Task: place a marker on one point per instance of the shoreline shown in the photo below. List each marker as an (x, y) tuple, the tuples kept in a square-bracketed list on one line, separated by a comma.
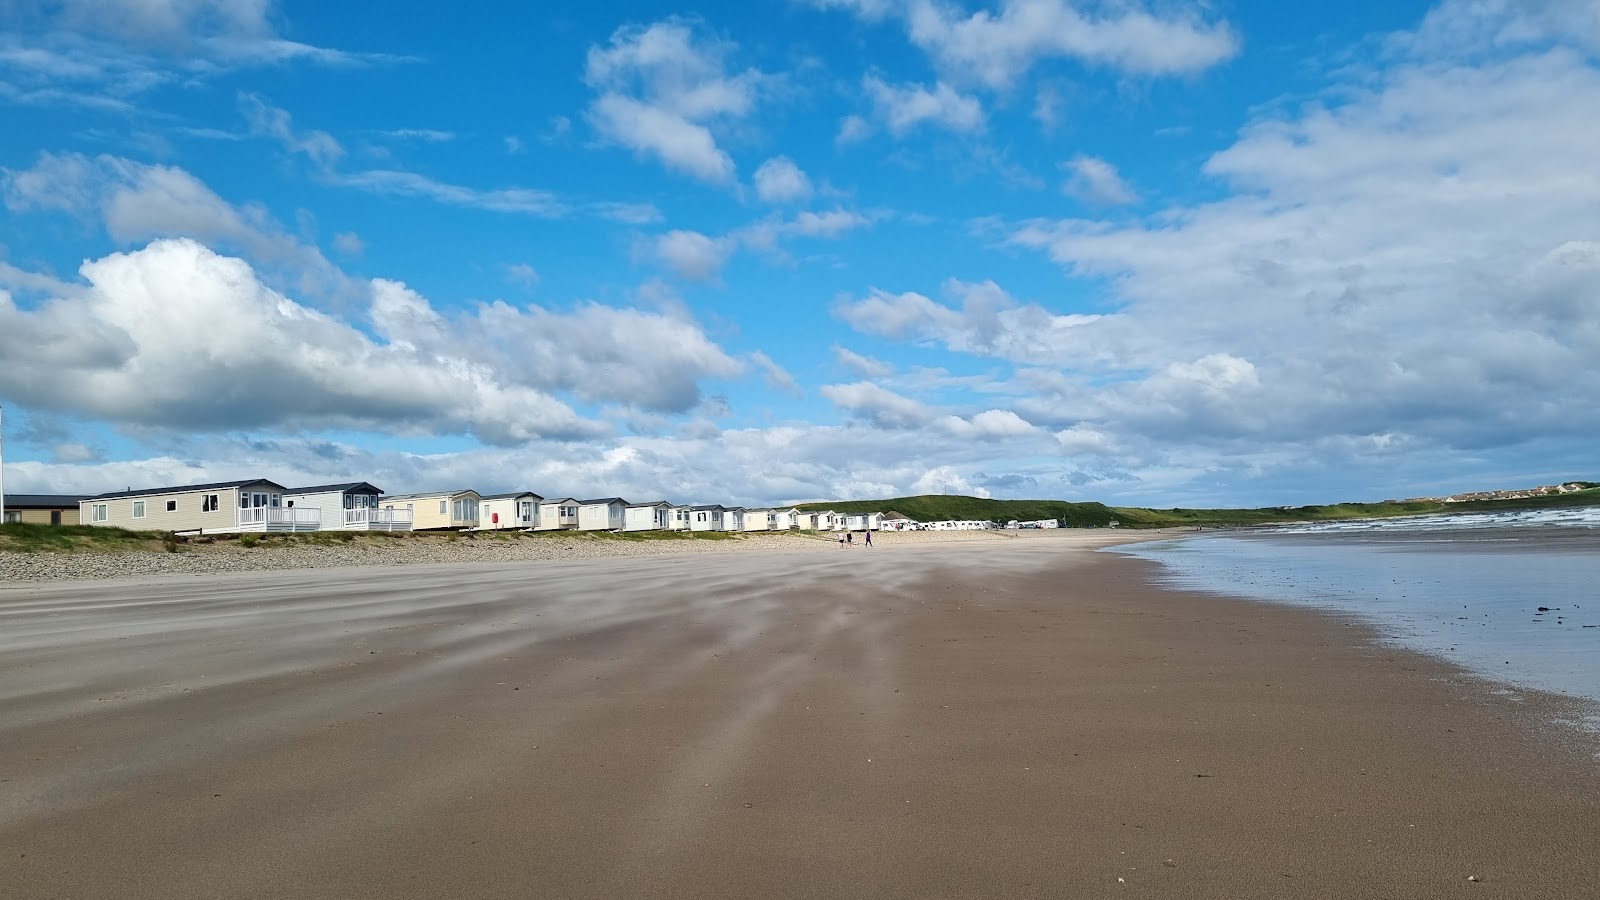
[(998, 721)]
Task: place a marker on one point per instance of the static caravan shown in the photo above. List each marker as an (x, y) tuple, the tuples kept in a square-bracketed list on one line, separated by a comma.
[(348, 507), (679, 520), (757, 520), (863, 522), (785, 519), (227, 506), (438, 510), (557, 514), (733, 518), (648, 516), (706, 518), (603, 514), (516, 511), (43, 509)]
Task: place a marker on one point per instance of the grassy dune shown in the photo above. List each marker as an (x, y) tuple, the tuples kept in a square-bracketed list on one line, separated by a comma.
[(934, 507)]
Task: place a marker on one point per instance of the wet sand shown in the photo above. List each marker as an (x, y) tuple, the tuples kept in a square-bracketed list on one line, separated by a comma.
[(1010, 719)]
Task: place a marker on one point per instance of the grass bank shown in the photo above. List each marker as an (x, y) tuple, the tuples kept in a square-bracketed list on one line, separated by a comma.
[(935, 507)]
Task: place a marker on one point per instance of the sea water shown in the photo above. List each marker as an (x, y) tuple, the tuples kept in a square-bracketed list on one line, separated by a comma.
[(1467, 588)]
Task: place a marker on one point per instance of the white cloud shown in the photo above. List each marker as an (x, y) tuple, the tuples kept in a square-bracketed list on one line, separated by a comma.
[(348, 243), (773, 374), (175, 336), (1096, 181), (700, 257), (425, 135), (660, 92), (266, 120), (1407, 263), (996, 47), (522, 274), (852, 129), (904, 108), (864, 366), (989, 323), (779, 180), (878, 405), (526, 201), (692, 255), (137, 202)]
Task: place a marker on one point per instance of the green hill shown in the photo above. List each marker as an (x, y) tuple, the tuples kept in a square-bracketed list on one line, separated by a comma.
[(934, 507)]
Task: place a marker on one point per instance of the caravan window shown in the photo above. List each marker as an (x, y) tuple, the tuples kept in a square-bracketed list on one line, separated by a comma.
[(138, 509)]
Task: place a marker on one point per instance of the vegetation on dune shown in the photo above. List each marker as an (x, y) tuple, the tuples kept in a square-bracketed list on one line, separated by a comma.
[(936, 507), (20, 537)]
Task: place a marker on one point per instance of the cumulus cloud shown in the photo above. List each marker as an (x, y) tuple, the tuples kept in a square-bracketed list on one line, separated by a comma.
[(779, 180), (176, 336), (904, 108), (136, 202), (660, 92), (1096, 181), (877, 405), (996, 46), (988, 322)]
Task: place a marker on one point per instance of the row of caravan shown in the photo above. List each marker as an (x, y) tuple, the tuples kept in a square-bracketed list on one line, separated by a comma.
[(258, 505)]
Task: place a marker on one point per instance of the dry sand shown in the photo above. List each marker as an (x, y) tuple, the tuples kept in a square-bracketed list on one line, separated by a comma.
[(999, 719)]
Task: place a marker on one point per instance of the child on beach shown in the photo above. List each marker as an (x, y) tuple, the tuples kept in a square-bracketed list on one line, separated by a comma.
[(869, 537)]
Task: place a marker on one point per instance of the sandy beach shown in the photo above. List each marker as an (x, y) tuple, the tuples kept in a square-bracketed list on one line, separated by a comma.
[(985, 718)]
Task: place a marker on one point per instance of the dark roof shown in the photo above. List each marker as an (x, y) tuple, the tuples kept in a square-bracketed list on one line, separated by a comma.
[(354, 487), (603, 500), (512, 496), (186, 488), (708, 508), (651, 503), (43, 501)]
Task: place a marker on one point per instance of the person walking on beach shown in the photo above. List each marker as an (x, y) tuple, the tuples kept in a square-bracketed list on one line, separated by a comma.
[(869, 537), (841, 542), (850, 538)]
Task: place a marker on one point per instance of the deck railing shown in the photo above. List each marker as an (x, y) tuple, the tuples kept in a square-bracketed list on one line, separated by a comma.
[(275, 515), (369, 516)]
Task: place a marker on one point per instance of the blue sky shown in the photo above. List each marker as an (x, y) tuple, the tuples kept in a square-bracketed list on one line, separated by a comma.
[(1166, 253)]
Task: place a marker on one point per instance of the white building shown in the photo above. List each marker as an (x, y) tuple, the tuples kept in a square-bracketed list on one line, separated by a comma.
[(348, 507), (706, 518), (557, 514), (735, 518), (785, 519), (602, 514), (647, 516), (516, 511)]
